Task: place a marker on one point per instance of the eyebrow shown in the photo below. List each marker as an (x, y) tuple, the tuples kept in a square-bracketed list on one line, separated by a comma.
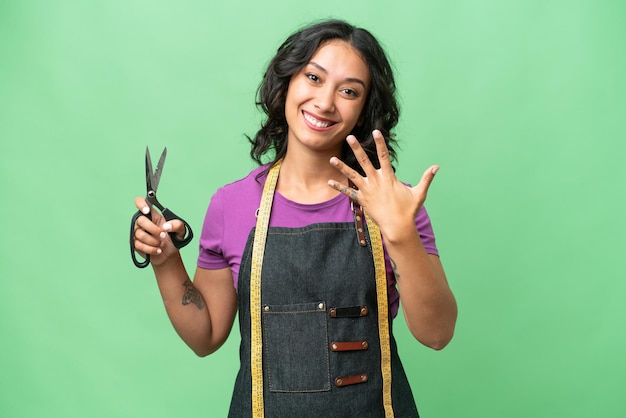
[(350, 79)]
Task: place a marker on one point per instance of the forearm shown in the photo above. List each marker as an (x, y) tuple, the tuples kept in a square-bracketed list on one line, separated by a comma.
[(428, 303), (185, 306)]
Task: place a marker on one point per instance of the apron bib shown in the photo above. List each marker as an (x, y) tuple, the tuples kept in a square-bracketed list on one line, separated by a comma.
[(316, 349)]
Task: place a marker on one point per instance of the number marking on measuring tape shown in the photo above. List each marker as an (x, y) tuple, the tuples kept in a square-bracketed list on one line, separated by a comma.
[(258, 250), (383, 312)]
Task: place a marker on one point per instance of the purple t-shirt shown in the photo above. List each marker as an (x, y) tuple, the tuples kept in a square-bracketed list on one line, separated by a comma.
[(231, 215)]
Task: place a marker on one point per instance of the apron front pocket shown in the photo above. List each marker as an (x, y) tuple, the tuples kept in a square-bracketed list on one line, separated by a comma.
[(295, 341)]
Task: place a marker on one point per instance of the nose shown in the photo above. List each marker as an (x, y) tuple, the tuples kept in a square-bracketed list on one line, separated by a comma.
[(325, 99)]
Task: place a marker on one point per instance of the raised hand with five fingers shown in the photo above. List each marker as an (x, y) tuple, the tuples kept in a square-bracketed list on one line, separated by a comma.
[(391, 204)]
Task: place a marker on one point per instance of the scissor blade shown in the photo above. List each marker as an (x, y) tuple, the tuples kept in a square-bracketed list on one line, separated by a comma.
[(157, 173), (149, 173)]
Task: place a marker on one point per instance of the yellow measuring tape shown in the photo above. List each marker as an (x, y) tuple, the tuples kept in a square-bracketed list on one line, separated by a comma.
[(383, 312), (258, 250)]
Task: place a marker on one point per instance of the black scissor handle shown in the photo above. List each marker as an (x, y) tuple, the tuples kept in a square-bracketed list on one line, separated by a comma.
[(133, 251), (168, 215)]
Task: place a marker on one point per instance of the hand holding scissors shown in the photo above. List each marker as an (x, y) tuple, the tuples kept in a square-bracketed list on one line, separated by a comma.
[(152, 184)]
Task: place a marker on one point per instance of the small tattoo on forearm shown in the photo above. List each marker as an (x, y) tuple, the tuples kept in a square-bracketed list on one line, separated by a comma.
[(192, 295), (394, 267)]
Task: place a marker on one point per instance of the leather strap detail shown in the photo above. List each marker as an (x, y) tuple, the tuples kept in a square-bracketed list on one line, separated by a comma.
[(349, 345), (349, 312), (357, 210), (351, 380)]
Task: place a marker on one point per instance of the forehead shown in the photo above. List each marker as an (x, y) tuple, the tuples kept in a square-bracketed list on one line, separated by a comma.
[(341, 59)]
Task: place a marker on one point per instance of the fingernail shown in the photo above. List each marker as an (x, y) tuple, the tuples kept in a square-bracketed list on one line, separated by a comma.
[(434, 170), (351, 139), (167, 226), (145, 210), (162, 234), (159, 251)]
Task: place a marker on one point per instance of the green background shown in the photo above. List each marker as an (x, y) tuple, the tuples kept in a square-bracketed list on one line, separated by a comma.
[(522, 103)]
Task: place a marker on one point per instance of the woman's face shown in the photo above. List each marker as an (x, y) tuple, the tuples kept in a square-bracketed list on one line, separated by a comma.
[(326, 97)]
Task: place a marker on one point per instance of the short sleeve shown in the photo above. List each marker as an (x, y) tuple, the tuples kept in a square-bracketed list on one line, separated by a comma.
[(425, 229), (211, 254)]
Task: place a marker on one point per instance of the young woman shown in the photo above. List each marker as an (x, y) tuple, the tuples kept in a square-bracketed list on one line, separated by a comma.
[(315, 249)]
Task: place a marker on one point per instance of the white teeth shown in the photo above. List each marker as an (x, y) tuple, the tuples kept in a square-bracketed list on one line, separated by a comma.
[(315, 122)]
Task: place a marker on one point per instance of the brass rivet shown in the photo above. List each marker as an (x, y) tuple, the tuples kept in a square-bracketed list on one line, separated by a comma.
[(363, 377), (321, 305), (266, 308), (363, 311), (358, 218), (334, 346), (339, 382), (362, 242), (364, 344)]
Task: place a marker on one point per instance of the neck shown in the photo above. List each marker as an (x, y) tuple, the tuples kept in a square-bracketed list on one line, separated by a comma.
[(305, 180)]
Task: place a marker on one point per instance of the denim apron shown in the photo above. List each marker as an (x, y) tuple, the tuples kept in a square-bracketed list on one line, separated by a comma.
[(321, 351)]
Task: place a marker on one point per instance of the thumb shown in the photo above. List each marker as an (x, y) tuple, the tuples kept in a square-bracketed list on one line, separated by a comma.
[(427, 178), (177, 227)]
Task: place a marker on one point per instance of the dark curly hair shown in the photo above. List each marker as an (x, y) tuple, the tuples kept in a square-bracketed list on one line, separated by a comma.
[(381, 108)]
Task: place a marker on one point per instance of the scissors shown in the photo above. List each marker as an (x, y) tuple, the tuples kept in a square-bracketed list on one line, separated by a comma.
[(152, 184)]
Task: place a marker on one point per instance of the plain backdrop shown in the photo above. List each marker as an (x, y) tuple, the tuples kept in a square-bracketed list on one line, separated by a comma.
[(522, 103)]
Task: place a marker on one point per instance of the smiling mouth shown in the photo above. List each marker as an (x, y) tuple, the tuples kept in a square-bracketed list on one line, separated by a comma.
[(317, 122)]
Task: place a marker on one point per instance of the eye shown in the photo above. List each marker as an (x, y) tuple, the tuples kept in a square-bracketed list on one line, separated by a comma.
[(350, 92), (314, 78)]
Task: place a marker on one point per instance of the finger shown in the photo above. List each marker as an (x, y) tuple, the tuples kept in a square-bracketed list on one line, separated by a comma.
[(360, 155), (141, 204), (348, 191), (144, 242), (351, 174), (144, 223), (143, 248), (146, 238), (382, 151)]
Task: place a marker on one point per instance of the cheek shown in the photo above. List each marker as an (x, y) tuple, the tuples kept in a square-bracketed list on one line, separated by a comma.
[(358, 115), (289, 103), (290, 107), (293, 96)]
